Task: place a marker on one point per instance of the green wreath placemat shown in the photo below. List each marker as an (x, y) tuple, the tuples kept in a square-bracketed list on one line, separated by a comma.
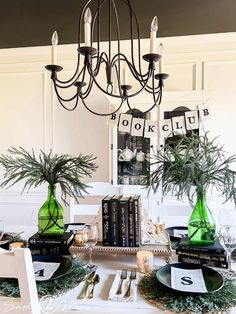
[(165, 298), (78, 271)]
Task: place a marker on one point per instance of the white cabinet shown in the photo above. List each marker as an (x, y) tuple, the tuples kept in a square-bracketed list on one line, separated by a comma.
[(130, 155)]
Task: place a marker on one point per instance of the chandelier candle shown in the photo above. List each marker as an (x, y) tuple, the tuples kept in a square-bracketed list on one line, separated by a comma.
[(54, 47), (125, 76), (87, 27), (153, 35)]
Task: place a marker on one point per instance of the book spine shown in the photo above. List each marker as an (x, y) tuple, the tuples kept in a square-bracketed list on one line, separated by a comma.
[(199, 249), (48, 241), (205, 256), (202, 262), (106, 222), (123, 224), (114, 223), (49, 250), (137, 222), (131, 223)]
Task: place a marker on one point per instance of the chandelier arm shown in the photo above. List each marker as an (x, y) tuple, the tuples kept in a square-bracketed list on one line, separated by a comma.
[(132, 13), (116, 96), (117, 32), (102, 114), (101, 88), (118, 80), (73, 76), (135, 73), (144, 112), (88, 90), (100, 60), (97, 18), (60, 99), (71, 84), (58, 95)]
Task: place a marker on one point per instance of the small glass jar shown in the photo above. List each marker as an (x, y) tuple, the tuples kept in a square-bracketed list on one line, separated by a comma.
[(144, 262), (15, 245), (79, 238)]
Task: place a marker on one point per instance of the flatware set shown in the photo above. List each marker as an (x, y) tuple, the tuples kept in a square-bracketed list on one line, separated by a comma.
[(92, 279)]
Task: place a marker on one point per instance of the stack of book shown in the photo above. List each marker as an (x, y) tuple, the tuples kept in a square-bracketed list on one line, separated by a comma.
[(212, 255), (121, 221), (58, 245)]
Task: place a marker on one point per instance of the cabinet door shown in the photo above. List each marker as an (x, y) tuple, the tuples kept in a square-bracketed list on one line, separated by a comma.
[(130, 155)]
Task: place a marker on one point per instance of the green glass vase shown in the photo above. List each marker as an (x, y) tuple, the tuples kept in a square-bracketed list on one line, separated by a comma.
[(201, 225), (50, 216)]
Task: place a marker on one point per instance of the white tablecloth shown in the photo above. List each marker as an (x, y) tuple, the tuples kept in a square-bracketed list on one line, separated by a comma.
[(107, 264)]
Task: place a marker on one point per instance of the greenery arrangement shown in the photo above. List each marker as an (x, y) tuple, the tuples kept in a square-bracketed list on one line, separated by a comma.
[(217, 302), (193, 161), (64, 170), (77, 273)]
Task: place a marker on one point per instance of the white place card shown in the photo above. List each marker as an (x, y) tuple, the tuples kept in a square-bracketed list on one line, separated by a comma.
[(189, 280), (180, 233), (44, 270)]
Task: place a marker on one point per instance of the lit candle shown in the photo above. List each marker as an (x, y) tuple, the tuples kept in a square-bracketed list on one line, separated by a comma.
[(153, 34), (125, 76), (161, 61), (54, 48), (79, 238), (144, 261), (87, 27)]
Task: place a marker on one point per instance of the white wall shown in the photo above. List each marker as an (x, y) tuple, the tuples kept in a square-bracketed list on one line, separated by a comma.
[(31, 116)]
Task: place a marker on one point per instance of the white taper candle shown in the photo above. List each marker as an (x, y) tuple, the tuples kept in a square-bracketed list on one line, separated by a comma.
[(54, 48), (87, 27), (153, 34)]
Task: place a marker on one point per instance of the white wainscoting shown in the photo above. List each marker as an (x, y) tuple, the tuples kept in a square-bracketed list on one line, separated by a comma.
[(31, 116)]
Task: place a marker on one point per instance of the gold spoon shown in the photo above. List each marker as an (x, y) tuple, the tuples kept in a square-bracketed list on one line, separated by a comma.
[(94, 282)]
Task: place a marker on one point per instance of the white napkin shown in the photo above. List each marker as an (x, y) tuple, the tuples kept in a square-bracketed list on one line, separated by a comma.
[(44, 271), (120, 297), (187, 280)]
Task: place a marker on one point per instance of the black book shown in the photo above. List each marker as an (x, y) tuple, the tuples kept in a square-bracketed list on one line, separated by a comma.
[(131, 222), (203, 262), (114, 220), (65, 239), (137, 228), (123, 214), (106, 221), (49, 249), (186, 246), (202, 255)]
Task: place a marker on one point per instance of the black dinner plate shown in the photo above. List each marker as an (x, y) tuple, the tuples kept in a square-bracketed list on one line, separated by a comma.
[(6, 239), (213, 280), (65, 264), (170, 231)]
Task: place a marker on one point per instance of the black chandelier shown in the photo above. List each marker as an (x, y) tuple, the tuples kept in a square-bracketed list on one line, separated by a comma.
[(92, 61)]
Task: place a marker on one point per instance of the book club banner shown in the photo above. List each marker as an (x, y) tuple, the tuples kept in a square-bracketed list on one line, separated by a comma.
[(166, 127)]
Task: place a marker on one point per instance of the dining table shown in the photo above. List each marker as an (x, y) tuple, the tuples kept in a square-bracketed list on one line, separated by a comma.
[(108, 264)]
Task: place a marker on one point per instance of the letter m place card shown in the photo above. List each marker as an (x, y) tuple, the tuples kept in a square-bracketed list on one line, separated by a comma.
[(188, 280)]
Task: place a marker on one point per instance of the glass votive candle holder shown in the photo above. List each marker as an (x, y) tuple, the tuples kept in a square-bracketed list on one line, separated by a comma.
[(79, 238), (160, 227), (144, 262)]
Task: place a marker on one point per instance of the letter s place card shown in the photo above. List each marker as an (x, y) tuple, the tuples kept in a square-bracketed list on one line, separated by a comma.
[(188, 280)]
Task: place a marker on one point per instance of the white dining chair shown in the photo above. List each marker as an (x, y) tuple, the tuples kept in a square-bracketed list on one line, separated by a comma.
[(18, 264), (88, 206)]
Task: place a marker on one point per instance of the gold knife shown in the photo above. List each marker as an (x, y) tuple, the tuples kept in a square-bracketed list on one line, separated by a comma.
[(88, 281)]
